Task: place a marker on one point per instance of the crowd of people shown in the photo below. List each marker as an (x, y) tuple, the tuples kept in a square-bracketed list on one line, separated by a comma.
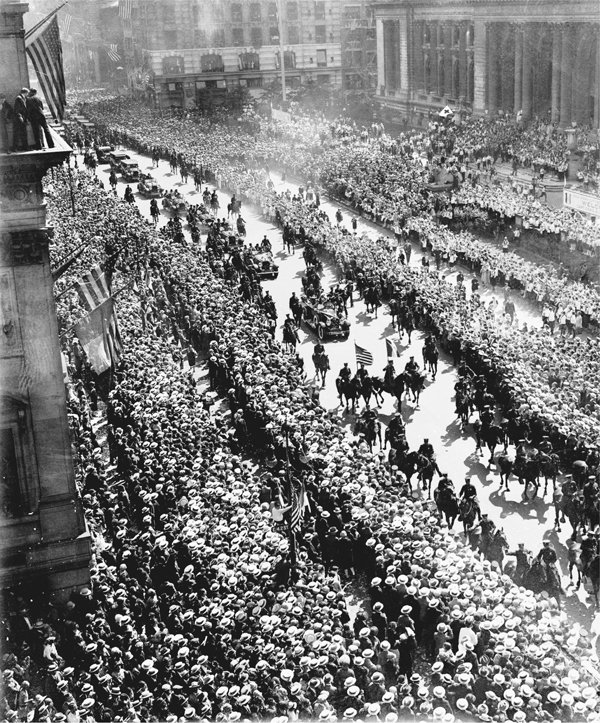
[(197, 609)]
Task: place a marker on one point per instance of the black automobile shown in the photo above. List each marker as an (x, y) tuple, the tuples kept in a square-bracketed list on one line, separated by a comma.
[(325, 322)]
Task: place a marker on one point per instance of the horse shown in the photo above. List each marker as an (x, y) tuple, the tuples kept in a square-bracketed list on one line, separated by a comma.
[(408, 465), (469, 511), (378, 387), (447, 504), (431, 356), (492, 435), (541, 577), (591, 571), (399, 387), (348, 389), (527, 470), (415, 383), (505, 463), (372, 300), (426, 468), (495, 547), (463, 405), (393, 307), (290, 337), (549, 467), (572, 506), (370, 428), (321, 362)]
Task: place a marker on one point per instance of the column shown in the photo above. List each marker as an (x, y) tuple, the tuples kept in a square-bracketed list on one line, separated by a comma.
[(565, 76), (556, 51), (402, 30), (597, 81), (518, 68), (462, 61), (492, 69), (526, 75), (448, 43), (419, 58), (480, 66), (579, 104), (507, 72), (433, 56), (380, 56)]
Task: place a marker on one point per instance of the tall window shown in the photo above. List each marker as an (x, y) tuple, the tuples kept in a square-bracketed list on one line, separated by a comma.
[(291, 10), (321, 58), (320, 10), (236, 13), (170, 39), (293, 35), (238, 36), (273, 12), (320, 34), (255, 13), (257, 37), (10, 498), (289, 58), (273, 35)]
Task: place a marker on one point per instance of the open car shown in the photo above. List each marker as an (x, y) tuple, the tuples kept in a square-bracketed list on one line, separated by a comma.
[(115, 158), (264, 265), (130, 170), (175, 203), (149, 188), (103, 153), (325, 322)]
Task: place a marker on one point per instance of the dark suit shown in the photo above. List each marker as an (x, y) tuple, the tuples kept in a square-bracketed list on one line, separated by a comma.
[(20, 142), (35, 112)]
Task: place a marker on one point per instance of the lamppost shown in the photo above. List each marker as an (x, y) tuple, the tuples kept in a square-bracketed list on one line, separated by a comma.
[(286, 429)]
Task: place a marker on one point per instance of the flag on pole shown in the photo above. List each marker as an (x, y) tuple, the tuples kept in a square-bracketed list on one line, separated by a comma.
[(125, 9), (390, 349), (362, 355), (93, 289), (99, 336), (303, 501), (112, 53), (45, 51), (296, 511)]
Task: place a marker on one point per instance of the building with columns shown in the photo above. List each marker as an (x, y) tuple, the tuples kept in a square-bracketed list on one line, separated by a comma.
[(541, 58)]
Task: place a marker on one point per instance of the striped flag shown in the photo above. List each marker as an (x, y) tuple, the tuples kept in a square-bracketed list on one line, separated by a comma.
[(93, 289), (125, 9), (296, 511), (66, 24), (100, 337), (45, 51), (112, 52), (389, 348), (362, 355)]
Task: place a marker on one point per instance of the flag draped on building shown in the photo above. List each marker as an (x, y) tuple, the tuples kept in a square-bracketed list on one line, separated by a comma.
[(363, 356), (125, 9), (99, 336), (45, 51), (93, 288), (112, 52), (99, 331)]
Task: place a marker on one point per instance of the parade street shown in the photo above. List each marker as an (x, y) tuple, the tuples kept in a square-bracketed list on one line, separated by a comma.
[(434, 417)]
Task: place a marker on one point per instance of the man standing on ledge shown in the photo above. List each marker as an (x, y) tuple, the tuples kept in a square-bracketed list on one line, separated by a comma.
[(20, 121), (35, 113)]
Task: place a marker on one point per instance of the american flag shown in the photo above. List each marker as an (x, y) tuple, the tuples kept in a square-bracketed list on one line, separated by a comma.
[(66, 24), (125, 9), (45, 50), (363, 356), (93, 289), (112, 52), (299, 504)]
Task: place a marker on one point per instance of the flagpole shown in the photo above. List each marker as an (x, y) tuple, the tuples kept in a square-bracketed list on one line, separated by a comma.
[(50, 15), (285, 428)]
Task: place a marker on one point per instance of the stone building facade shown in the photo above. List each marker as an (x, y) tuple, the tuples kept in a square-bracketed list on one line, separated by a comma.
[(538, 58), (190, 47)]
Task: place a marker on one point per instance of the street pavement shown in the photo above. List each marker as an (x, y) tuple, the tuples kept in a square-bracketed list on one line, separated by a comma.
[(529, 522)]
